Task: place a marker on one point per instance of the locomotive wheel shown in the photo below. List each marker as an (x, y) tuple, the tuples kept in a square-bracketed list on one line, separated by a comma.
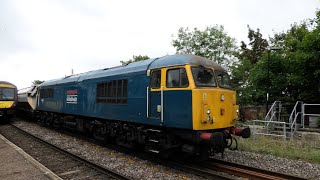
[(204, 153), (97, 134)]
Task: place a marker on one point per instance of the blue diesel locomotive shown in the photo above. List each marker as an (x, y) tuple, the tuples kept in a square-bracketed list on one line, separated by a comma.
[(163, 105)]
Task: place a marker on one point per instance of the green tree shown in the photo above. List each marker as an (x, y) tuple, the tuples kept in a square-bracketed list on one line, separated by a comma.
[(36, 82), (258, 46), (242, 77), (294, 70), (212, 43), (135, 59), (301, 47)]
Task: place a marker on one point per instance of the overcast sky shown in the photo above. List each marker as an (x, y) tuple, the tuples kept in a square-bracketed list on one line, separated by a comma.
[(45, 39)]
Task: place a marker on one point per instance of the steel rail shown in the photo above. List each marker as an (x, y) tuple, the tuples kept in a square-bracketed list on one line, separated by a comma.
[(247, 171), (207, 173), (206, 169), (210, 174), (97, 167)]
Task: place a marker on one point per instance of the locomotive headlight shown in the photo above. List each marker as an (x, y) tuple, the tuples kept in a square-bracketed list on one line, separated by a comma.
[(222, 97), (237, 114), (209, 118)]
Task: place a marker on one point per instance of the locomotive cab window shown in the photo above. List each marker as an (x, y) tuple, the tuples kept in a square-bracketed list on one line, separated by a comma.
[(155, 80), (223, 79), (203, 77), (177, 78)]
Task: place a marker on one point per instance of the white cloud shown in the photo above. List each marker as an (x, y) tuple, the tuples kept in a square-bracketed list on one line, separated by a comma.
[(45, 39)]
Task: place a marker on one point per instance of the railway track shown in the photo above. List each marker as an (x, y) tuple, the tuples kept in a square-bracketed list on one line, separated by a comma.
[(209, 174), (247, 171), (210, 169), (61, 162)]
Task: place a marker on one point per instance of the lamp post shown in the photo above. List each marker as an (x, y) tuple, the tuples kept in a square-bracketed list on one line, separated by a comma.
[(268, 78)]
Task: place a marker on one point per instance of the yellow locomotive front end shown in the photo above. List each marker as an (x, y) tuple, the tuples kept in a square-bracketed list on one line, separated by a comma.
[(214, 109), (214, 102), (214, 106), (8, 98)]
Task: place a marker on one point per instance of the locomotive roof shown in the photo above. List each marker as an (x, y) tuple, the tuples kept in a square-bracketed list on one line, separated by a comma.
[(183, 59), (5, 82), (140, 66)]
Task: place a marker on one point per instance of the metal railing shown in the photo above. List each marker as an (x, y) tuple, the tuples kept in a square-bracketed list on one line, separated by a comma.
[(272, 114), (293, 117), (272, 111), (294, 123), (294, 112), (272, 119), (268, 134), (304, 114)]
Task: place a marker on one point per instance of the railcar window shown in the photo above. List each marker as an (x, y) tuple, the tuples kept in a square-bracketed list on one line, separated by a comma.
[(223, 79), (6, 94), (177, 78), (155, 79), (115, 92), (203, 77), (46, 93)]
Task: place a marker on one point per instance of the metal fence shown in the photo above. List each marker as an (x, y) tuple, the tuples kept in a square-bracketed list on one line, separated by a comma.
[(267, 133)]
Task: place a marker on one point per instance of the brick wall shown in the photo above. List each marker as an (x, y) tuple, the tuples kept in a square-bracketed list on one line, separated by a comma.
[(252, 112)]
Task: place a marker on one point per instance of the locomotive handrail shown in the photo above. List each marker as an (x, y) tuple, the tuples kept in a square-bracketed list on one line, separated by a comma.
[(38, 98), (147, 101), (161, 104)]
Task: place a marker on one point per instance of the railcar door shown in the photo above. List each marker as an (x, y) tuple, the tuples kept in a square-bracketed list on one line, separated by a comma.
[(177, 101), (155, 91)]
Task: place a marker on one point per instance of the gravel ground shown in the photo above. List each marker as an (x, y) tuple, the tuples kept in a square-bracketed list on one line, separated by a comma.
[(128, 165), (272, 163), (142, 169)]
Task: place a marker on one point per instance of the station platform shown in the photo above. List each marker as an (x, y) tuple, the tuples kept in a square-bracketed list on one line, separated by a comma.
[(17, 164)]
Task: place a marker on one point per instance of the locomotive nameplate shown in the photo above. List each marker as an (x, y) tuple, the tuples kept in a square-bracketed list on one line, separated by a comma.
[(72, 96)]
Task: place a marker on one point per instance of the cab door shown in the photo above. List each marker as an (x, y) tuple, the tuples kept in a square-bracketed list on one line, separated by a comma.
[(177, 98), (155, 91)]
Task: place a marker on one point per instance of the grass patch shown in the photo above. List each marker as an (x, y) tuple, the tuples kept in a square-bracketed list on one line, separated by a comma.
[(293, 150)]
